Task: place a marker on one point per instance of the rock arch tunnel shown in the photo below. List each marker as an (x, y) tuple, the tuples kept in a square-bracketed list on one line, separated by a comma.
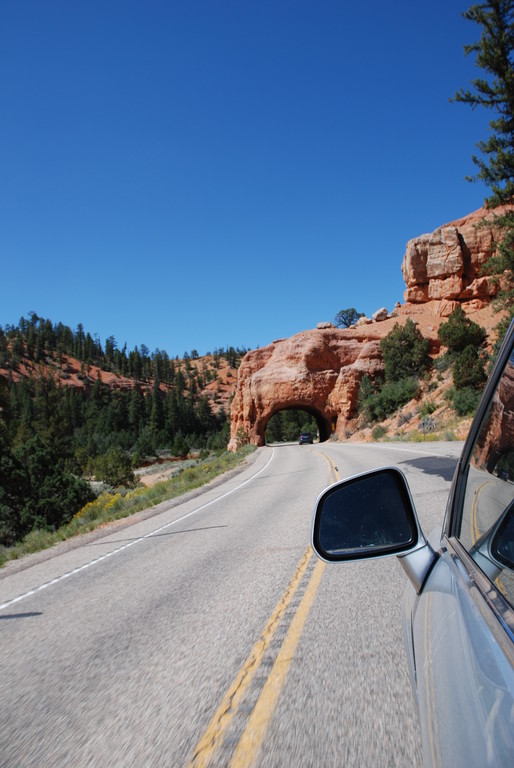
[(317, 371), (255, 425), (324, 425)]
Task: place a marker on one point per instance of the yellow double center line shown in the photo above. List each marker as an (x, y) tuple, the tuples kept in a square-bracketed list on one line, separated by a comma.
[(257, 723)]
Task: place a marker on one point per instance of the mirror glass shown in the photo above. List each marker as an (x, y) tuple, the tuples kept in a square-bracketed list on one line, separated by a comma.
[(502, 545), (365, 516)]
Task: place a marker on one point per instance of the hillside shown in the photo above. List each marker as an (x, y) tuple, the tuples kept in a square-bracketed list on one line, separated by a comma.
[(84, 399), (73, 410), (214, 375)]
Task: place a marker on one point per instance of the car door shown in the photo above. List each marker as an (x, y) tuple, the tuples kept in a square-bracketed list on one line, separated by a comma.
[(460, 628)]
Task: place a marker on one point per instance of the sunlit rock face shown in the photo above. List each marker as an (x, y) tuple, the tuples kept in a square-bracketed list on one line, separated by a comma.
[(448, 263), (320, 370)]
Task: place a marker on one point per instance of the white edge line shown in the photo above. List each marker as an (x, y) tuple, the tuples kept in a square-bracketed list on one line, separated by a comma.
[(393, 447), (97, 560)]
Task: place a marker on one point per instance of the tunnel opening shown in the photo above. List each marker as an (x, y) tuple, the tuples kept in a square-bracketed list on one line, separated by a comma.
[(287, 424)]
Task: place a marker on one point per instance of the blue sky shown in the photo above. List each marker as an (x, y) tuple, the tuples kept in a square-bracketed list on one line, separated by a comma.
[(207, 173)]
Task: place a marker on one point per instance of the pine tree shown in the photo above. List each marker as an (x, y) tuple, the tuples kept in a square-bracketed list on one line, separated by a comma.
[(494, 55), (460, 332), (157, 412), (136, 409), (347, 317), (405, 352), (3, 348)]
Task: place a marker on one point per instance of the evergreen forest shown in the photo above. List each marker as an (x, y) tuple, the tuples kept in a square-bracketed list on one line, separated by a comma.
[(52, 433)]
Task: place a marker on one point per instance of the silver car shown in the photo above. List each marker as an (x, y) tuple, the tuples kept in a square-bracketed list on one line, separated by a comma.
[(459, 602)]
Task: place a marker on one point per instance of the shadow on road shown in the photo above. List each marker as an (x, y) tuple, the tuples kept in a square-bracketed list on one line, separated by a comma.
[(434, 465)]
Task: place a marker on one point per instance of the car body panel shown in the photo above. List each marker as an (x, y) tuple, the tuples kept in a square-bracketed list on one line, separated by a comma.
[(462, 680)]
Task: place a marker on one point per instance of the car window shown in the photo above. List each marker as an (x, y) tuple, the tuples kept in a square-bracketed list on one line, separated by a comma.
[(487, 522)]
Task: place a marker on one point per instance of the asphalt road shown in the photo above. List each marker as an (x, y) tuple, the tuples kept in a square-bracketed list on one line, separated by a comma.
[(208, 634)]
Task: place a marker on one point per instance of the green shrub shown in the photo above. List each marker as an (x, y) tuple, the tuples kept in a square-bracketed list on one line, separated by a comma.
[(468, 369), (393, 395), (366, 398), (460, 332), (378, 405), (405, 352), (378, 432), (427, 408), (443, 362), (179, 446), (465, 401), (114, 467)]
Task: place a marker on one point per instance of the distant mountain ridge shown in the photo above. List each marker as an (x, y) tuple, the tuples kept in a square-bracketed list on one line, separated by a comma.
[(36, 347)]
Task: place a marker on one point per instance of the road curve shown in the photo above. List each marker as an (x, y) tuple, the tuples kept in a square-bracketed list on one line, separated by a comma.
[(208, 633)]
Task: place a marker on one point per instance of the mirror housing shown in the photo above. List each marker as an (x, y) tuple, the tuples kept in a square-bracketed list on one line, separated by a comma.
[(502, 543), (371, 515), (494, 550)]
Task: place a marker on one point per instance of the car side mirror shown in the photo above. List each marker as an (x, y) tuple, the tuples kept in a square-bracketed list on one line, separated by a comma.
[(494, 550), (502, 543), (369, 515)]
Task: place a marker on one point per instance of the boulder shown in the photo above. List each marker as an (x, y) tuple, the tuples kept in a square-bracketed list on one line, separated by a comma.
[(447, 264)]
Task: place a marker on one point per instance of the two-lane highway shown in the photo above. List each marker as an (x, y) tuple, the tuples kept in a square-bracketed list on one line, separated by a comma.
[(208, 633)]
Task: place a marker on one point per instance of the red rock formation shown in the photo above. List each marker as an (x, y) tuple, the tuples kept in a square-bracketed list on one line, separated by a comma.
[(320, 370), (447, 264)]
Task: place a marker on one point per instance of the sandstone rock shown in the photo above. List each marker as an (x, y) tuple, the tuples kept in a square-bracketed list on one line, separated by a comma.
[(363, 321), (380, 315), (447, 263), (446, 307), (325, 324), (319, 373)]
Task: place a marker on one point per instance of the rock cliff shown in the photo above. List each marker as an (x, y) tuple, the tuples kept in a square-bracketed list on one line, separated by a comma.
[(320, 370), (448, 263)]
